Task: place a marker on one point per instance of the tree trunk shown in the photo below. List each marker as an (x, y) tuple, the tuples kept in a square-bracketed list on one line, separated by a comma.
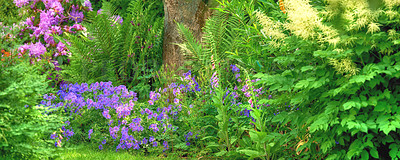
[(191, 13)]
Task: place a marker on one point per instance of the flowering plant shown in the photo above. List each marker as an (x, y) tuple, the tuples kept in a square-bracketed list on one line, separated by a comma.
[(50, 17)]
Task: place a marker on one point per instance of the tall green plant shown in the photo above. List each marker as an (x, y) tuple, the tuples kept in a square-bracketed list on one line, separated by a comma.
[(125, 52)]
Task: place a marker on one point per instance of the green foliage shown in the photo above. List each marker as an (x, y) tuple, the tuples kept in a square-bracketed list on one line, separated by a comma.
[(10, 39), (9, 12), (122, 6), (347, 90), (126, 54), (24, 131)]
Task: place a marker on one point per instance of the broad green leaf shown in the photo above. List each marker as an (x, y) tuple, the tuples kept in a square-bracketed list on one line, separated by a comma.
[(306, 68), (381, 106), (374, 153), (363, 128), (349, 105), (302, 84), (251, 153), (364, 155)]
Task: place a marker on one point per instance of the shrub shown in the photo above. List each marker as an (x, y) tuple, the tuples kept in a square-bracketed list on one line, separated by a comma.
[(341, 72), (49, 18), (23, 129)]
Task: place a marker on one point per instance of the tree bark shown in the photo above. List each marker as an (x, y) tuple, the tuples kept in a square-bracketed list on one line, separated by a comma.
[(191, 13)]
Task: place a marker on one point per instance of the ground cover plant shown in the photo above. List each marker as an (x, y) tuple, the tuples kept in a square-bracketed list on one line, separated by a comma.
[(285, 79)]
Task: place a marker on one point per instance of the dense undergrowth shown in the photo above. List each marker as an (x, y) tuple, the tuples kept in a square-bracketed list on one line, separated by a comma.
[(291, 79)]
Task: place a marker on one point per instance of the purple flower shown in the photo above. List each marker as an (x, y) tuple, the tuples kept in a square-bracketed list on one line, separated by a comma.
[(75, 15), (20, 3), (100, 147), (151, 139), (155, 144), (99, 11), (106, 114), (37, 49), (144, 141), (214, 80), (104, 141), (166, 146), (154, 127), (234, 68), (88, 4), (187, 75), (176, 100), (187, 143), (56, 6), (90, 132), (53, 136), (117, 19)]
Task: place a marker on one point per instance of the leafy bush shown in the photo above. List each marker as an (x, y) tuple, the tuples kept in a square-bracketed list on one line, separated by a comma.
[(341, 71), (49, 18), (9, 13), (23, 129)]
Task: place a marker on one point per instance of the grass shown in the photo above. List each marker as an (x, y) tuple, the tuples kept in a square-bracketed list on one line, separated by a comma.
[(92, 153)]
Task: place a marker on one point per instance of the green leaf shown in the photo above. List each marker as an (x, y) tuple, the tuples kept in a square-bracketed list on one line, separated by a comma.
[(364, 155), (374, 153), (363, 128), (349, 105), (394, 150), (301, 84), (306, 68), (381, 106), (221, 153), (251, 153)]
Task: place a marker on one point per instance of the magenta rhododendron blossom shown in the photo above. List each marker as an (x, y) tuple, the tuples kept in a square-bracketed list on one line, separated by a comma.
[(36, 49), (75, 15), (88, 5), (20, 3)]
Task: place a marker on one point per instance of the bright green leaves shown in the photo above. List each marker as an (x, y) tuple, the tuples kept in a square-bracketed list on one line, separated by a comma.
[(303, 84), (321, 123), (385, 123), (355, 149), (374, 153), (394, 150)]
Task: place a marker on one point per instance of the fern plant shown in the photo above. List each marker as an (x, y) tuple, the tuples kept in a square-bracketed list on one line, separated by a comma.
[(124, 52)]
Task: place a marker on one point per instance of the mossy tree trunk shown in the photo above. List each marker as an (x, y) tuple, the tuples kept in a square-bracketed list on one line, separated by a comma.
[(191, 13)]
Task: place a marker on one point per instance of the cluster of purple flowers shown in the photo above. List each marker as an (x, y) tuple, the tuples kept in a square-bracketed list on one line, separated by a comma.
[(138, 126), (55, 17), (114, 103), (187, 138)]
